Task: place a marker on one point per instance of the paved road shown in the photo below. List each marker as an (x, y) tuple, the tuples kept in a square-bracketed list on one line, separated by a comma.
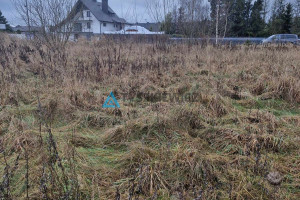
[(220, 41)]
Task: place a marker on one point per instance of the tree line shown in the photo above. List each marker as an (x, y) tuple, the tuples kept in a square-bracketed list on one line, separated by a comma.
[(189, 18), (232, 18)]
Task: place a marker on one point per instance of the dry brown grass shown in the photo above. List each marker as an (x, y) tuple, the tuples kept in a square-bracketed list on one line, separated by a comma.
[(243, 128)]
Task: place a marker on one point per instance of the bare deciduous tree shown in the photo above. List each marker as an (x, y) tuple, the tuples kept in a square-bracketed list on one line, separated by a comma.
[(53, 18), (196, 11), (188, 17), (158, 9), (220, 12), (266, 8)]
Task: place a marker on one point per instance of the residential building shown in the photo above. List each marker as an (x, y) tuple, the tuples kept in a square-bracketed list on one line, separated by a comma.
[(93, 18), (2, 27)]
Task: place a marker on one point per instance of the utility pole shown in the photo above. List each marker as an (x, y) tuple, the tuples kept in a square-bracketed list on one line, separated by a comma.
[(27, 15)]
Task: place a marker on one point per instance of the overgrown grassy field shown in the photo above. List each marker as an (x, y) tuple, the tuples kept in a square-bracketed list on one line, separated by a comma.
[(239, 140)]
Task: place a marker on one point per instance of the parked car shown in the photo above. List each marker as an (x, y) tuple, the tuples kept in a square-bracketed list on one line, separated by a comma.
[(282, 38)]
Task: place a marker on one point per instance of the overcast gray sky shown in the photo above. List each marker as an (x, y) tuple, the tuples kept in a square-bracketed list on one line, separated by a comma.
[(131, 10)]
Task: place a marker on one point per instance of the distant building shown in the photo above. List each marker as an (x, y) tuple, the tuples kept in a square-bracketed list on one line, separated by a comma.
[(94, 18), (155, 27), (134, 30), (29, 32), (26, 29), (2, 27)]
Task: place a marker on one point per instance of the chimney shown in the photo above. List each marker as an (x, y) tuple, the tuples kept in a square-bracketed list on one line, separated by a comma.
[(105, 6)]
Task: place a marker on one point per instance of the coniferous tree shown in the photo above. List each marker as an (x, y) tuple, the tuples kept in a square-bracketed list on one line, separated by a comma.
[(288, 18), (276, 24), (239, 17), (247, 14), (167, 24), (257, 23), (4, 21), (213, 14), (180, 21)]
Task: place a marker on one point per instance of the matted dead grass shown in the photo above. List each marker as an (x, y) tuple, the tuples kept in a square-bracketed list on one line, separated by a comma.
[(238, 140)]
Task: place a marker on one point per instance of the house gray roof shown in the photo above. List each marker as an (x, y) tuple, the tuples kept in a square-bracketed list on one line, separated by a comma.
[(96, 9), (26, 28)]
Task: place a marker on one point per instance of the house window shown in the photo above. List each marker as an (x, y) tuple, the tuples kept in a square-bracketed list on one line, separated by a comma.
[(78, 27), (88, 25), (104, 24), (82, 15), (88, 13)]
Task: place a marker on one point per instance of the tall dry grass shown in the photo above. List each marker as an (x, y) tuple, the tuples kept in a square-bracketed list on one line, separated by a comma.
[(58, 143)]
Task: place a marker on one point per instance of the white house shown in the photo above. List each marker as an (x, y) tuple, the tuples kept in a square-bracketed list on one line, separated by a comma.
[(94, 18)]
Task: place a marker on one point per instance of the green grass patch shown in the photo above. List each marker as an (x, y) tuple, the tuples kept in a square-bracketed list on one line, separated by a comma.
[(96, 157), (277, 107)]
